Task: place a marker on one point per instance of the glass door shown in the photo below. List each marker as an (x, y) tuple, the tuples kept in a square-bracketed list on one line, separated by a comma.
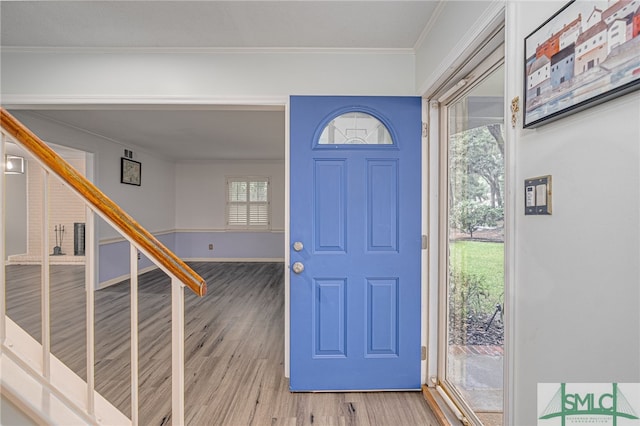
[(471, 343)]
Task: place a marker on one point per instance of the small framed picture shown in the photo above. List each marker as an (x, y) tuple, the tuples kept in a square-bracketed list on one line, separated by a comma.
[(130, 172)]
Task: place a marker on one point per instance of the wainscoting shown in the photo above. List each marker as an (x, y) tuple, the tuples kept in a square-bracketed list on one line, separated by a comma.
[(234, 348), (193, 245)]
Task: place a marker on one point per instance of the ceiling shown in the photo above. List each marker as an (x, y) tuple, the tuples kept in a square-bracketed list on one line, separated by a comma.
[(238, 24), (185, 134), (237, 132)]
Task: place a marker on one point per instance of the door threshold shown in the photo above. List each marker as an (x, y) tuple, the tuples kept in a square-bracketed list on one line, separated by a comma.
[(440, 409), (353, 390)]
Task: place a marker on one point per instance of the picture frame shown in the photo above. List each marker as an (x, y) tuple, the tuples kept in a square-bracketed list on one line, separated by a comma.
[(585, 54), (130, 172)]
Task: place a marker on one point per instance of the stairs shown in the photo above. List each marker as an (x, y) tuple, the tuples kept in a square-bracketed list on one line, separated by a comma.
[(33, 379), (60, 400)]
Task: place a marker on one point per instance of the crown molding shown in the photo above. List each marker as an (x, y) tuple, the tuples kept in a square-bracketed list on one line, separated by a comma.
[(209, 50), (429, 26), (250, 103)]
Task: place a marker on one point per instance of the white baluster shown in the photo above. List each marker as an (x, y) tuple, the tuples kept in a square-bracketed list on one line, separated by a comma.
[(134, 334), (45, 299), (89, 279), (177, 352), (45, 279), (3, 308)]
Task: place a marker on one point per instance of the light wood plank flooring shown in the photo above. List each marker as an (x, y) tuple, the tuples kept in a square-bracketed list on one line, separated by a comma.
[(234, 349)]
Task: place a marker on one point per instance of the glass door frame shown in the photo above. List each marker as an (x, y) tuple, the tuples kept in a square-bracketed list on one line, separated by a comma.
[(478, 75)]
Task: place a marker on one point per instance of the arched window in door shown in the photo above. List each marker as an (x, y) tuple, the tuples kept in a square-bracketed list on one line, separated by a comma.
[(355, 128)]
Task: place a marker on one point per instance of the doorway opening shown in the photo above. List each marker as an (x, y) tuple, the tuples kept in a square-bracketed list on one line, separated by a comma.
[(261, 274), (24, 212)]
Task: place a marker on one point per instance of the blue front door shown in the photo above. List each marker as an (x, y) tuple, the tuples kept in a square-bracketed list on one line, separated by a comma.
[(355, 242)]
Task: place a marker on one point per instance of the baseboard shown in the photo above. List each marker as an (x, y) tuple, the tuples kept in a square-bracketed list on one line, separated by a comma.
[(37, 260), (118, 280), (235, 259)]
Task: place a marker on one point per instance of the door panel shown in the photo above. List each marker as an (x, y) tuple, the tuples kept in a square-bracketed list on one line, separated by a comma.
[(329, 307), (382, 208), (382, 317), (329, 214), (355, 207)]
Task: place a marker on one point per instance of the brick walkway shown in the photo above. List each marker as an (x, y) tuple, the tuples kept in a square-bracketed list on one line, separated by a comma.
[(476, 350)]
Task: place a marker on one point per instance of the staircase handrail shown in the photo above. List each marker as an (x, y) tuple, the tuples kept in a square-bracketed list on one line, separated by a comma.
[(94, 196)]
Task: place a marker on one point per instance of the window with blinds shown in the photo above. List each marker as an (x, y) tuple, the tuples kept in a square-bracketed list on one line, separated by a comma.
[(248, 203)]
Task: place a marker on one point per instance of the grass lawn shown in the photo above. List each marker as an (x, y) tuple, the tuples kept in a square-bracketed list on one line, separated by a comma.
[(484, 260)]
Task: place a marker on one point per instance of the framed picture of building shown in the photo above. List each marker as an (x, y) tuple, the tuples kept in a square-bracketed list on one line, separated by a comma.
[(585, 54)]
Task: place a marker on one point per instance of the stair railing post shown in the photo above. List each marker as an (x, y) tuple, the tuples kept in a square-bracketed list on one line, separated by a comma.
[(134, 334), (3, 308), (46, 280), (177, 351), (45, 297), (89, 279)]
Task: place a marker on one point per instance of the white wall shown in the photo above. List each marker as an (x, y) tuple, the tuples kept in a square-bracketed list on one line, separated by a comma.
[(200, 191), (577, 272), (150, 204), (204, 74), (200, 211)]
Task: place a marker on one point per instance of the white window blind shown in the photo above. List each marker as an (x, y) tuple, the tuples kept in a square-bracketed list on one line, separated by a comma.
[(248, 203)]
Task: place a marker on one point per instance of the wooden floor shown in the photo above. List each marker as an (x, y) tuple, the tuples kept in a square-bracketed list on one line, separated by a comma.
[(234, 349)]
